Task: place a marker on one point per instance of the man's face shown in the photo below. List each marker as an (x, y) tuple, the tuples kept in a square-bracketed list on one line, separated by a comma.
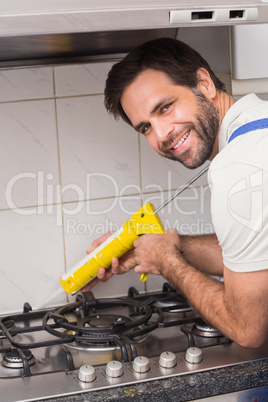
[(177, 123)]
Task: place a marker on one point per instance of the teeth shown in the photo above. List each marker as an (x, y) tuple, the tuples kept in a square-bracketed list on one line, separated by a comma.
[(182, 140)]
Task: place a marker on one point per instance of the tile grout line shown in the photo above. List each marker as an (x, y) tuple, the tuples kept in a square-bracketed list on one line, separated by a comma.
[(60, 176), (100, 198), (51, 97)]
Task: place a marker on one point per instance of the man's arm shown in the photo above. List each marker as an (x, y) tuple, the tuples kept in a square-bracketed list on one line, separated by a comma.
[(203, 252), (238, 308)]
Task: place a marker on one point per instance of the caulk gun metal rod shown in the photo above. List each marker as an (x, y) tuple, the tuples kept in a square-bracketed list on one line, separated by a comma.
[(182, 189)]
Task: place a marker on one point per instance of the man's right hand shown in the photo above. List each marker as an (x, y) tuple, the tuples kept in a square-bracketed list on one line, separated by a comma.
[(118, 267)]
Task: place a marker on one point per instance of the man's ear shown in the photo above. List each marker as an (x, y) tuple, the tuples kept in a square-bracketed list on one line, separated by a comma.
[(205, 84)]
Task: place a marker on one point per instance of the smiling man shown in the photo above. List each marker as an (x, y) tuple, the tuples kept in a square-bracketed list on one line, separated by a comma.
[(169, 94), (178, 123)]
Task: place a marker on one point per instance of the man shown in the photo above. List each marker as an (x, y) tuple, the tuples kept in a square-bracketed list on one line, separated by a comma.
[(168, 93)]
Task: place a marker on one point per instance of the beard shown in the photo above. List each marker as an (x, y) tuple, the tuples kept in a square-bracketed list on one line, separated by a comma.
[(206, 128)]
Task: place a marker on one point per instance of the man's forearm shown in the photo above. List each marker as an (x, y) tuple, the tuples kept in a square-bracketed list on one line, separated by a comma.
[(206, 295), (203, 252), (238, 307)]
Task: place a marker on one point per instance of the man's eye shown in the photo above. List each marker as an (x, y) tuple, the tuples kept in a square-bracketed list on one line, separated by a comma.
[(166, 107), (145, 128)]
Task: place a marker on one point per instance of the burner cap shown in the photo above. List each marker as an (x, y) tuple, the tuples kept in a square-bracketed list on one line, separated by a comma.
[(107, 321), (201, 328), (13, 359)]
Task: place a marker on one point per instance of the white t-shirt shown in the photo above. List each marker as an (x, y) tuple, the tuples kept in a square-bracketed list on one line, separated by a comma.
[(238, 178)]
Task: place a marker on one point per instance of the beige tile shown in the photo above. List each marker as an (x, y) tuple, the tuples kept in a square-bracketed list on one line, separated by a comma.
[(29, 173), (99, 156), (26, 83), (81, 79), (31, 259), (189, 213)]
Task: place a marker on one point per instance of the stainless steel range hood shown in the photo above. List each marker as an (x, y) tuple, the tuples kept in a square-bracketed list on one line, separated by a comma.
[(55, 31)]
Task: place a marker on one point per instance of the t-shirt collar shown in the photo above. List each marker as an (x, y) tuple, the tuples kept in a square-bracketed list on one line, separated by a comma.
[(231, 122)]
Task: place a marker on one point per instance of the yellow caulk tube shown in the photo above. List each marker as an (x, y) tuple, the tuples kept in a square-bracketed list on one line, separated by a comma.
[(145, 220)]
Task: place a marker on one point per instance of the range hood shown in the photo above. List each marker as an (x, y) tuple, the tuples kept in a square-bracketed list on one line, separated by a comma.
[(37, 32)]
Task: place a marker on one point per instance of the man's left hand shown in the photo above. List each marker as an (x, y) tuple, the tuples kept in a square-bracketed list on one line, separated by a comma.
[(153, 251)]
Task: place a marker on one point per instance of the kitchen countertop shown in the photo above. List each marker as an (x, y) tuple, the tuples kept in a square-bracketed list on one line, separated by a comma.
[(182, 388)]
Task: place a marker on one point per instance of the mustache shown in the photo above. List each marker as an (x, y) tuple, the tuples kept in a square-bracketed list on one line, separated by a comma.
[(164, 147)]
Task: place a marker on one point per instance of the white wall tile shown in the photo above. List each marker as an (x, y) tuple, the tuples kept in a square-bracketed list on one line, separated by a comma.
[(28, 83), (28, 154), (31, 259), (90, 221), (189, 212), (99, 156), (81, 79)]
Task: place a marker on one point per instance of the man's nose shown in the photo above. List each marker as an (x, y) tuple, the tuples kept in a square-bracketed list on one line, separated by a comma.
[(163, 130)]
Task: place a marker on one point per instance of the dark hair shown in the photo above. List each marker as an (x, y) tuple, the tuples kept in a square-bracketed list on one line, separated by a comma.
[(173, 57)]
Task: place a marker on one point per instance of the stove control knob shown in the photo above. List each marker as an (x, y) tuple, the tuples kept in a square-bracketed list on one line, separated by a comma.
[(141, 364), (86, 373), (193, 355), (114, 369), (167, 360)]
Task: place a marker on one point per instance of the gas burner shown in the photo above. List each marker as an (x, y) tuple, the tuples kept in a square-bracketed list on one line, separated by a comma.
[(105, 322), (88, 325), (102, 322), (201, 328), (14, 359)]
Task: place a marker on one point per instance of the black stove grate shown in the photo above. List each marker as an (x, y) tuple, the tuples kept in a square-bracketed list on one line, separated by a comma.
[(91, 321)]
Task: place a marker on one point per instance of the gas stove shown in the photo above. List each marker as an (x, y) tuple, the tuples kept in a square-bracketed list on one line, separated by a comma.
[(94, 344)]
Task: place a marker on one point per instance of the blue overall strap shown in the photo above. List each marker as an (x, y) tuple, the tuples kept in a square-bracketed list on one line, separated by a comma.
[(251, 126)]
